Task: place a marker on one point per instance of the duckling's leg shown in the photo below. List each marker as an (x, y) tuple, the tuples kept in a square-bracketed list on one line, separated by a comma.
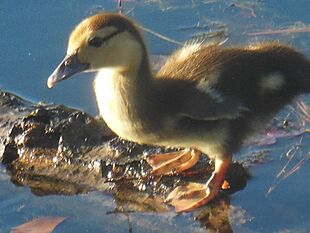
[(193, 195), (174, 162)]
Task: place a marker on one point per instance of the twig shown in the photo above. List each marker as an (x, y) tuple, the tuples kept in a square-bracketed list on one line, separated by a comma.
[(120, 7), (244, 7), (280, 31), (297, 166), (290, 154), (120, 11), (305, 110), (283, 174), (160, 35)]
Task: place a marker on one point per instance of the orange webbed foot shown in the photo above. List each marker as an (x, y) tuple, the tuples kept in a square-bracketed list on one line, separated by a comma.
[(174, 162), (193, 195), (188, 197)]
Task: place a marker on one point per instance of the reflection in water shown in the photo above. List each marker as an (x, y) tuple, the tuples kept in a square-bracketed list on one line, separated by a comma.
[(214, 217)]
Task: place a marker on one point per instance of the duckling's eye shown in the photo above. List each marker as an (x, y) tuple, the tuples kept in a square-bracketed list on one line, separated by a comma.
[(95, 42)]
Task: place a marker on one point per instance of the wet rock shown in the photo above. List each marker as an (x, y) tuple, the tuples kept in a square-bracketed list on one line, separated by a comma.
[(10, 153), (58, 150)]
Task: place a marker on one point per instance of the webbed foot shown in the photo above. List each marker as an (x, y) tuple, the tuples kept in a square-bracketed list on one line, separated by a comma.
[(193, 195), (174, 162)]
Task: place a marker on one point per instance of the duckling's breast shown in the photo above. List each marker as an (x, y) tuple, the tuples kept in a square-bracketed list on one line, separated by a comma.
[(119, 107)]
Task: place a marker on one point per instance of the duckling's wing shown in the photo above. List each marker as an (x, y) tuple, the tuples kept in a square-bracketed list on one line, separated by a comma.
[(191, 73), (183, 98), (210, 106)]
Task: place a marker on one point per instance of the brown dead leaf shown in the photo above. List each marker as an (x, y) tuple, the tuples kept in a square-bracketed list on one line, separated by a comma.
[(39, 225)]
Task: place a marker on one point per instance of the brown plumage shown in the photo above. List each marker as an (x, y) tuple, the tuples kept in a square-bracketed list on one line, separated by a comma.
[(205, 97)]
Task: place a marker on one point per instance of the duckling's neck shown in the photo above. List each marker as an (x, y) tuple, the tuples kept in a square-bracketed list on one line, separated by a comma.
[(123, 98)]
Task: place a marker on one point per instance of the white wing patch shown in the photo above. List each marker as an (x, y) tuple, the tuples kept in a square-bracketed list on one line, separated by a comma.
[(204, 85), (272, 82)]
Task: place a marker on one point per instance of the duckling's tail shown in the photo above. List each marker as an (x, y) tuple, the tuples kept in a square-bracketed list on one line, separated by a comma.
[(303, 79)]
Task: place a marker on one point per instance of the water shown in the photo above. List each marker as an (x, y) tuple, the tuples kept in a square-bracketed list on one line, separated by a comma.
[(33, 41)]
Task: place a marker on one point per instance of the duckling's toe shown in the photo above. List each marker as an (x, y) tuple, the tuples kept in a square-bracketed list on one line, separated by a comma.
[(187, 191), (193, 195), (189, 197), (174, 162)]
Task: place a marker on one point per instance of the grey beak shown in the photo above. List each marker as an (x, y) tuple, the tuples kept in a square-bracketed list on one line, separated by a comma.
[(69, 66)]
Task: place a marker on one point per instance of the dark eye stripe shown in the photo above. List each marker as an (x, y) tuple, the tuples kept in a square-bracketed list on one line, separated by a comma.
[(98, 41), (95, 42)]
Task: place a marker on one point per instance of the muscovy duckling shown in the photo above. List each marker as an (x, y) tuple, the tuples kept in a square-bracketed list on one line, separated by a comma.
[(205, 97)]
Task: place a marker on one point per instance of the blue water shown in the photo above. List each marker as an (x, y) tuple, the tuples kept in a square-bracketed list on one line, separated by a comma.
[(33, 41)]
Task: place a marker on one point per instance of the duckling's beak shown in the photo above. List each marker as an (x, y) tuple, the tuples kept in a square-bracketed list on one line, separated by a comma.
[(69, 66)]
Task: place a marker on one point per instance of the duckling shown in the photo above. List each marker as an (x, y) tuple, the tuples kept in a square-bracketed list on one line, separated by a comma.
[(206, 97)]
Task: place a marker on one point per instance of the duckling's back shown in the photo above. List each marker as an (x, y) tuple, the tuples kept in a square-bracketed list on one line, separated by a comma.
[(263, 77)]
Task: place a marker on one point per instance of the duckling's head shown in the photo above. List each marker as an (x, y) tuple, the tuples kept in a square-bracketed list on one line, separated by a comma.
[(101, 41)]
